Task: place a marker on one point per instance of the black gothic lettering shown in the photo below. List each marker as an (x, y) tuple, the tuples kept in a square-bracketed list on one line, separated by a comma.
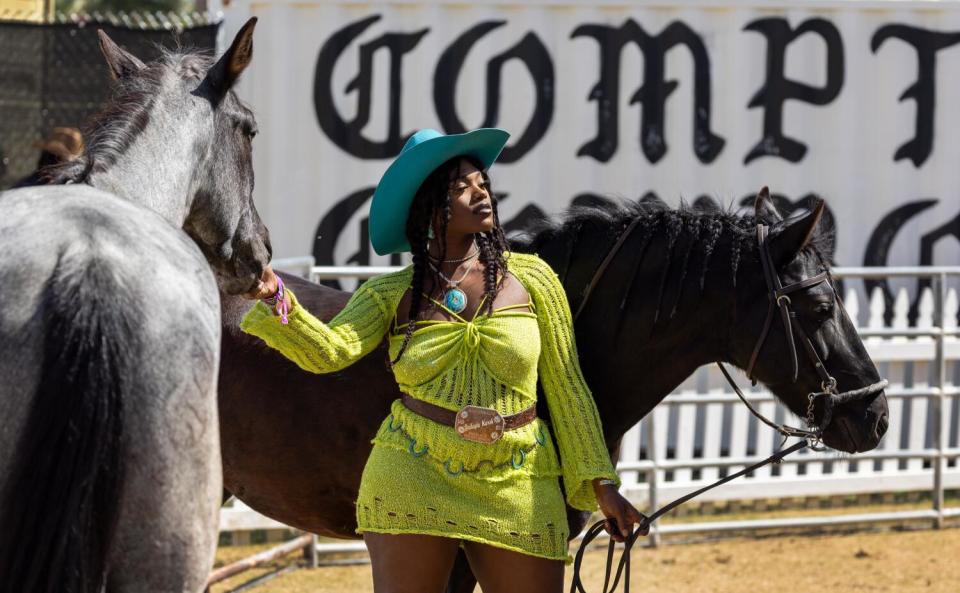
[(777, 88), (653, 94), (531, 52), (878, 248), (923, 91), (348, 135)]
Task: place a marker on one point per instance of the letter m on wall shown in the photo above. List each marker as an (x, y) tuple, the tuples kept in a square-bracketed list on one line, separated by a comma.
[(653, 95)]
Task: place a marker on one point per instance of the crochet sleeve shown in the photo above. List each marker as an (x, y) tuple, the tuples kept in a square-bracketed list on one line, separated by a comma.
[(573, 413), (320, 347)]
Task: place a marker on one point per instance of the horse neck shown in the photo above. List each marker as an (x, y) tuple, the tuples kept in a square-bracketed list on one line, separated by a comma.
[(232, 310), (631, 363), (157, 168)]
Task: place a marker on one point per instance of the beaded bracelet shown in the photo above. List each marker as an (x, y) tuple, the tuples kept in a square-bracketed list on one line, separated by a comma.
[(279, 297)]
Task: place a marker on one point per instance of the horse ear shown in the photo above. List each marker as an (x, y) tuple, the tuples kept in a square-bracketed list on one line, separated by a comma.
[(763, 208), (787, 243), (234, 61), (121, 62)]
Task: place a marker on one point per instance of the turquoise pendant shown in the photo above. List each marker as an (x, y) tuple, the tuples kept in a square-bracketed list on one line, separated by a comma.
[(455, 300)]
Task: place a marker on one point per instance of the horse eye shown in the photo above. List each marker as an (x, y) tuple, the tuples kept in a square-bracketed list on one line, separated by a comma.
[(823, 310), (247, 129)]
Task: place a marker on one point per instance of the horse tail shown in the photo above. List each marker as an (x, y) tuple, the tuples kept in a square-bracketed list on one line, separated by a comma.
[(59, 511)]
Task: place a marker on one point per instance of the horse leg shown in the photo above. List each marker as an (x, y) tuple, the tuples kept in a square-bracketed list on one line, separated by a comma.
[(63, 472), (168, 530), (461, 577)]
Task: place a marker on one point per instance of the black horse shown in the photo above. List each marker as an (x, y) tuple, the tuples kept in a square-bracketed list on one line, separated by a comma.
[(684, 288)]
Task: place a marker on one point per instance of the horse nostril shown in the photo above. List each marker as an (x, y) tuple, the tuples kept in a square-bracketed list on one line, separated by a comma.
[(882, 425)]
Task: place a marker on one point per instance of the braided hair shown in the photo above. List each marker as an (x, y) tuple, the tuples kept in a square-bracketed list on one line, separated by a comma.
[(432, 198)]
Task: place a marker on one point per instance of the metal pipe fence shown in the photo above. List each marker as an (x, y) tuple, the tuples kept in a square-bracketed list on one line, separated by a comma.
[(655, 486)]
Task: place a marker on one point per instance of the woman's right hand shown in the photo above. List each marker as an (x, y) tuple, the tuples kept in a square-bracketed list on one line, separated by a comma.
[(266, 287)]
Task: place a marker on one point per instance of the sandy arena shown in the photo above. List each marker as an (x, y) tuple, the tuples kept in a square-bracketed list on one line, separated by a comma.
[(894, 561)]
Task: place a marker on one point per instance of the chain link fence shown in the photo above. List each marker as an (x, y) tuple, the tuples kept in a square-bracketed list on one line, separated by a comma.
[(53, 75)]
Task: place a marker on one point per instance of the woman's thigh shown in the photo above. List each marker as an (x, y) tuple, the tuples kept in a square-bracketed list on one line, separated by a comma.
[(499, 570), (410, 563)]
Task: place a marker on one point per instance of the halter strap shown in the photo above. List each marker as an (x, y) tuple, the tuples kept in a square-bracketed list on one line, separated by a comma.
[(603, 266), (777, 298)]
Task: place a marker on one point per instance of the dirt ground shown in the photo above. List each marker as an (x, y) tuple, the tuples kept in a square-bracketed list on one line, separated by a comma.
[(894, 561)]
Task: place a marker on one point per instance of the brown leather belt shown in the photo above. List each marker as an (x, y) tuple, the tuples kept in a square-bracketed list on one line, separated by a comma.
[(473, 423)]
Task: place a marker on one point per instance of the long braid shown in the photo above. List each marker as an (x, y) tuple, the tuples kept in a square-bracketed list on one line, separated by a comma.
[(419, 252), (673, 225), (693, 227), (497, 234), (492, 246), (489, 270)]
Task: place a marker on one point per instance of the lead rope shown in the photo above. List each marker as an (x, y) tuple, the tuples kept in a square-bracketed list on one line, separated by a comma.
[(810, 438), (623, 567)]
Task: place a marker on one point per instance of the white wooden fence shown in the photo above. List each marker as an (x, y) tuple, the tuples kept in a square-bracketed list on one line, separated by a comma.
[(701, 430)]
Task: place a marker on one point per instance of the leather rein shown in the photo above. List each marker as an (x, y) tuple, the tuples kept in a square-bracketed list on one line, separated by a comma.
[(778, 298)]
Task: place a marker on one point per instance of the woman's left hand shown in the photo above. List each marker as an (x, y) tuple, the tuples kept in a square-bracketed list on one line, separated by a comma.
[(618, 509)]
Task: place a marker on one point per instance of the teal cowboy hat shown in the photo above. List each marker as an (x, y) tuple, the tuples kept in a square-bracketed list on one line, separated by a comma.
[(424, 151)]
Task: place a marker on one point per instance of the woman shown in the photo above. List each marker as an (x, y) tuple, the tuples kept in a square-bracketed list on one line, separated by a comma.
[(462, 459)]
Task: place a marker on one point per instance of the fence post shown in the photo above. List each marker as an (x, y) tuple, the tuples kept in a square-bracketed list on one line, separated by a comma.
[(310, 551), (652, 477), (939, 430)]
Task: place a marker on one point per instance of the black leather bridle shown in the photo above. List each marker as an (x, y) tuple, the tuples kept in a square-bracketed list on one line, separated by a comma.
[(778, 298)]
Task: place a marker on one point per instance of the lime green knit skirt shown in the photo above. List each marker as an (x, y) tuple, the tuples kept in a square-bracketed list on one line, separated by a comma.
[(402, 493)]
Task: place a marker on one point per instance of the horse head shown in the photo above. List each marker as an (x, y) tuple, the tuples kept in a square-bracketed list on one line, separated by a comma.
[(793, 334), (177, 139)]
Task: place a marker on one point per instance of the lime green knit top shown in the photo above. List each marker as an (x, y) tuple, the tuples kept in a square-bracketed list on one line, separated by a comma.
[(493, 361)]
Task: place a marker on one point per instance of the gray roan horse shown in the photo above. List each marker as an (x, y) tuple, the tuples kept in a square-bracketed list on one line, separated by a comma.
[(684, 289), (110, 472)]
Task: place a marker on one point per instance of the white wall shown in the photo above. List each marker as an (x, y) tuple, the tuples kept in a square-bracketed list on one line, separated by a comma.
[(851, 140)]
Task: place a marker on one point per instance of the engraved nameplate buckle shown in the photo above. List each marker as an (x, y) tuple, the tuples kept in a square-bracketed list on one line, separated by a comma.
[(480, 425)]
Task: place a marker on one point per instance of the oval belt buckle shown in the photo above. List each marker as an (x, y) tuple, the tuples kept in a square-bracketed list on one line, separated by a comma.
[(480, 425)]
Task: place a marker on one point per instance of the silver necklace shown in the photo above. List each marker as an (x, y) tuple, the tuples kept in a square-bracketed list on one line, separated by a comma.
[(458, 260), (453, 298)]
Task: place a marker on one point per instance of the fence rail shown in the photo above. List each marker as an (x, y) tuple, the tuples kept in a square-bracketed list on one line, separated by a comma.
[(700, 431)]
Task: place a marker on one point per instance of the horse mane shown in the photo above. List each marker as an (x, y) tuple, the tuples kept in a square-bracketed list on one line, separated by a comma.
[(705, 219), (126, 114)]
